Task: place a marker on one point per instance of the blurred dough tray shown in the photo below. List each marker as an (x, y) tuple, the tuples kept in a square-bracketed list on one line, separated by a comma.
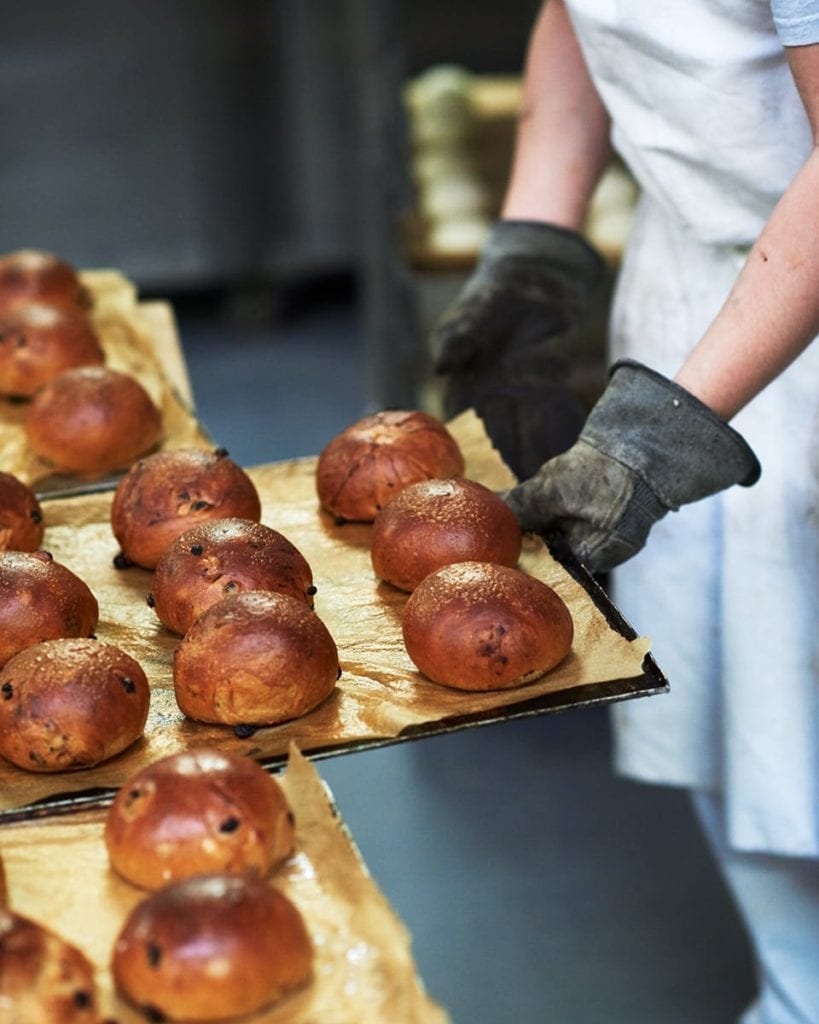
[(380, 698)]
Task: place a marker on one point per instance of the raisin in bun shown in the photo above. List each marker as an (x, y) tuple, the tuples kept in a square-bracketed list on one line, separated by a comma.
[(481, 626), (31, 275), (197, 813), (37, 342), (222, 557), (92, 420), (369, 462), (70, 704), (43, 978), (436, 522), (41, 599), (255, 658), (21, 517), (166, 493), (211, 947)]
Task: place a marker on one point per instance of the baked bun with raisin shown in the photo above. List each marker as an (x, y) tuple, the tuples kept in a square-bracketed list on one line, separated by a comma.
[(41, 599), (221, 557), (33, 275), (70, 704), (481, 626), (37, 342), (166, 493), (43, 978), (256, 658), (166, 954), (92, 420), (436, 522), (369, 462), (197, 813), (21, 516)]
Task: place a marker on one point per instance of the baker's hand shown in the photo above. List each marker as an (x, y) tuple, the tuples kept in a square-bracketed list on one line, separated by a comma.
[(648, 447), (505, 341)]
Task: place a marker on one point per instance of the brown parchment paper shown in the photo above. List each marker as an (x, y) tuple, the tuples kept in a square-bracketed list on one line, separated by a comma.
[(58, 874), (379, 694), (138, 338)]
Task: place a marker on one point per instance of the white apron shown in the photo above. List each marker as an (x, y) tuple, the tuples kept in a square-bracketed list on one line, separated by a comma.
[(706, 115)]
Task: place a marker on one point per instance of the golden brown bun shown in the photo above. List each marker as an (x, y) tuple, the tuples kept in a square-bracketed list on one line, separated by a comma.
[(198, 813), (21, 517), (255, 658), (222, 557), (367, 464), (4, 896), (40, 599), (165, 956), (43, 978), (167, 493), (92, 420), (31, 275), (70, 704), (37, 342), (481, 626), (436, 522)]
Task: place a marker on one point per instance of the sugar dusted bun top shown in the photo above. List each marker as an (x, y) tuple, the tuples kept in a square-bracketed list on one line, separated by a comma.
[(198, 812), (481, 626), (21, 517), (167, 493), (33, 275), (369, 462), (435, 522), (165, 953)]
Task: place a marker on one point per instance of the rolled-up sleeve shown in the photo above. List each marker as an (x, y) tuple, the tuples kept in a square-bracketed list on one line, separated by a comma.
[(797, 21)]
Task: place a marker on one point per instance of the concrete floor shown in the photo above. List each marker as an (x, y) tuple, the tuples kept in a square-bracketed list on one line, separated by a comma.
[(538, 887)]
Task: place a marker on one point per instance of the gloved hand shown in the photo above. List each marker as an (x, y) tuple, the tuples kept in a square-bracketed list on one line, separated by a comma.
[(505, 341), (648, 447)]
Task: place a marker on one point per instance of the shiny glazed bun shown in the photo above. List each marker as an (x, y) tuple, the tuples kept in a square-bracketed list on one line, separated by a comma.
[(436, 522), (92, 420), (40, 599), (210, 948), (37, 342), (31, 275), (21, 517), (367, 464), (255, 658), (43, 978), (198, 813), (481, 626), (166, 493), (222, 557), (70, 704)]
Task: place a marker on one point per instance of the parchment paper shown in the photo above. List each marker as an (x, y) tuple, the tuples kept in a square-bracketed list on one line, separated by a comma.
[(138, 338), (380, 692), (58, 874)]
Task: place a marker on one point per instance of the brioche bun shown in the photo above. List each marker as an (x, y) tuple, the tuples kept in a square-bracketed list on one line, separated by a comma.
[(436, 522), (37, 342), (70, 704), (43, 978), (166, 493), (255, 658), (197, 813), (21, 517), (370, 461), (222, 557), (482, 626), (32, 275), (40, 599), (211, 947), (92, 420)]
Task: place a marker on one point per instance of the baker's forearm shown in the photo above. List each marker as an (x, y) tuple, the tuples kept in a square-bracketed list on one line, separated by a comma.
[(562, 141)]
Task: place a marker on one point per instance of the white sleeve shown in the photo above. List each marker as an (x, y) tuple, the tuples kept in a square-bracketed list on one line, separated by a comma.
[(797, 21)]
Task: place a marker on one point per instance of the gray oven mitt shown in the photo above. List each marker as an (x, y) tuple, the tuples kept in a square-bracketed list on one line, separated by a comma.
[(648, 447), (505, 341)]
